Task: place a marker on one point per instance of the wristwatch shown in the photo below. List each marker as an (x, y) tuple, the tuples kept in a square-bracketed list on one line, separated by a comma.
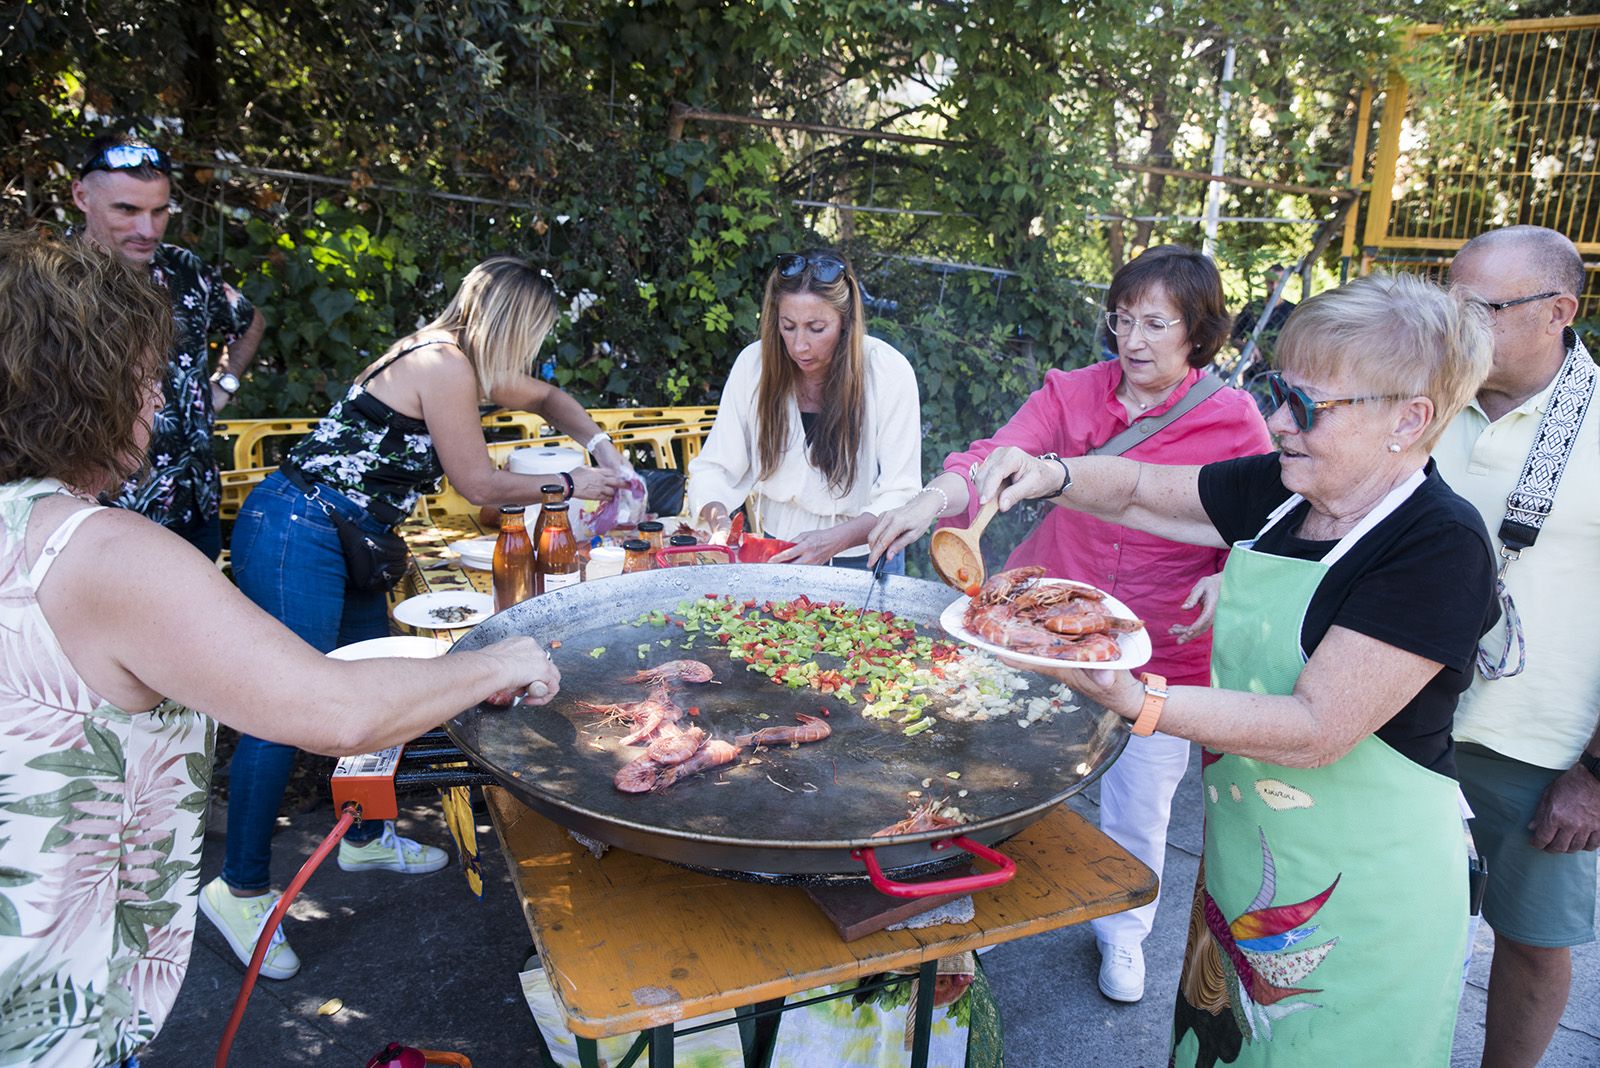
[(1066, 476), (1155, 699), (1590, 761), (228, 382)]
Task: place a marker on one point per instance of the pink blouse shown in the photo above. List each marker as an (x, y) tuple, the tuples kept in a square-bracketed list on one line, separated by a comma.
[(1075, 411)]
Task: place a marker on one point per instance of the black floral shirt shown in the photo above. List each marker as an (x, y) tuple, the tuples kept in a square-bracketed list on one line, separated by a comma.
[(182, 485), (372, 454)]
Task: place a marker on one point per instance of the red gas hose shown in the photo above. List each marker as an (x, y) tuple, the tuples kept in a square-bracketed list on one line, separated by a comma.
[(346, 818)]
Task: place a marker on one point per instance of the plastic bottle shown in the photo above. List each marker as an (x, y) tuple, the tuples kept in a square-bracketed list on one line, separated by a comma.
[(640, 556), (556, 564), (513, 560)]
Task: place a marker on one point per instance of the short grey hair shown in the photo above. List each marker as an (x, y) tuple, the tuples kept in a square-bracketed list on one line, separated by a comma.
[(1396, 335), (1551, 254)]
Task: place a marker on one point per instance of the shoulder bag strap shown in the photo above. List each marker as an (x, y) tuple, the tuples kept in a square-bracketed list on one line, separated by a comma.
[(1143, 429), (1530, 501)]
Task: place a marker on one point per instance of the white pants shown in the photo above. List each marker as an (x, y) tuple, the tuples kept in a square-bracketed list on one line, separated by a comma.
[(1135, 804)]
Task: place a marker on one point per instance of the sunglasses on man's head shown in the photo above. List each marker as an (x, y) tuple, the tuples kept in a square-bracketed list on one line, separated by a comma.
[(1301, 405), (126, 158), (825, 267)]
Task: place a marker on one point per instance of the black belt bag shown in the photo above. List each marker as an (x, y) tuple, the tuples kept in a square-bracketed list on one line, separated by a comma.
[(373, 563)]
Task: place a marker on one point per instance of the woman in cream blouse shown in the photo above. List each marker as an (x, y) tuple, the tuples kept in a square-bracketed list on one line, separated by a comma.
[(820, 426)]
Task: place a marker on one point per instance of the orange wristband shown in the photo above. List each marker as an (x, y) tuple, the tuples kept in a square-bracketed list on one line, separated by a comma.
[(1155, 699)]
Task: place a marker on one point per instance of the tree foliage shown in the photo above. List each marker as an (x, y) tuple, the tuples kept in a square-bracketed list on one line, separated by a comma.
[(552, 122)]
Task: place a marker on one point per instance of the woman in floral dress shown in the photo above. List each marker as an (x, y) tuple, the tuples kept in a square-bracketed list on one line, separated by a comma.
[(112, 629)]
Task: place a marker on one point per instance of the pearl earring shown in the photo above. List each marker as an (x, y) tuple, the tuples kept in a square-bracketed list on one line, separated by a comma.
[(1394, 446)]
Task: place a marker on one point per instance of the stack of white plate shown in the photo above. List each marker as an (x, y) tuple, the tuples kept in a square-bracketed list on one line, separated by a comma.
[(475, 552)]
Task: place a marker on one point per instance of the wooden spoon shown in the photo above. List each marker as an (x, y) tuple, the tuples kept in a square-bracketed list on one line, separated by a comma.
[(955, 554)]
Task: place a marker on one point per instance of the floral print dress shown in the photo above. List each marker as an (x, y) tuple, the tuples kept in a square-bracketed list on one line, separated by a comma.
[(100, 834)]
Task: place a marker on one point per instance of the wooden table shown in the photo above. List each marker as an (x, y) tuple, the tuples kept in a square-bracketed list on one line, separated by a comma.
[(634, 944)]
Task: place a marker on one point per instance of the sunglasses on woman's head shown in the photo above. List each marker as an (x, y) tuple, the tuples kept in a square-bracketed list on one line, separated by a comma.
[(126, 158), (1303, 407), (825, 267)]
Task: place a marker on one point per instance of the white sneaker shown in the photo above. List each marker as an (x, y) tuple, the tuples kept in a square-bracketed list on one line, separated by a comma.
[(390, 852), (1121, 972), (240, 919)]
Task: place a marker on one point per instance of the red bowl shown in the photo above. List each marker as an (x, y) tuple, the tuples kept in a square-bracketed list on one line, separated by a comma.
[(754, 550)]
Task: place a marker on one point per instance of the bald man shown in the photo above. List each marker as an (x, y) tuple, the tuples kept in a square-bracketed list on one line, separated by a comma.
[(125, 194), (1528, 747)]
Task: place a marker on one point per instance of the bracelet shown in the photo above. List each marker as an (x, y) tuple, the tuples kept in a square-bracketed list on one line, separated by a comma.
[(943, 497), (567, 478), (589, 445), (1066, 476)]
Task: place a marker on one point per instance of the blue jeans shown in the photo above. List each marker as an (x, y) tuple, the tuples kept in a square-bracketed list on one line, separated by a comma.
[(287, 559)]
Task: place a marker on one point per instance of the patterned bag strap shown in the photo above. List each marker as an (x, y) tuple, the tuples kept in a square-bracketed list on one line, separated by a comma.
[(1531, 500)]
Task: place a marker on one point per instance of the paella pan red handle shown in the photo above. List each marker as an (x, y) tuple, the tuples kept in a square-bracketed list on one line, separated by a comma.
[(963, 884)]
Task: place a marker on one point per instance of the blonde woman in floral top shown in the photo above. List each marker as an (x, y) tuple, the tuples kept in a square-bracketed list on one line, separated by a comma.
[(104, 769)]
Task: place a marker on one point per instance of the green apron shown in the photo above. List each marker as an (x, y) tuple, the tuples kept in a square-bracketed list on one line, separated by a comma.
[(1329, 923)]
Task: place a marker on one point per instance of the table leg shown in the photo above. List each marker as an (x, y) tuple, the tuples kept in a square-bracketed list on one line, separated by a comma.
[(661, 1046), (758, 1031), (926, 978), (588, 1052)]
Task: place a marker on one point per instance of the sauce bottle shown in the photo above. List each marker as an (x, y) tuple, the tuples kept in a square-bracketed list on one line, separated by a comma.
[(513, 560), (640, 556), (548, 495), (677, 541), (556, 564), (652, 532)]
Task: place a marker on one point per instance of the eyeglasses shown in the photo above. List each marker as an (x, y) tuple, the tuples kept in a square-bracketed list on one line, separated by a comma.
[(1502, 305), (1303, 408), (825, 267), (126, 158), (1154, 328)]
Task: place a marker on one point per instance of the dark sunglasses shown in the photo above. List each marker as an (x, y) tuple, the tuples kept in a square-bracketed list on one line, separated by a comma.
[(126, 158), (1303, 408), (825, 267)]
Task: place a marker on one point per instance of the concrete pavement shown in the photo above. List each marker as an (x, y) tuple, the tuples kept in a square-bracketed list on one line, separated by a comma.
[(418, 959)]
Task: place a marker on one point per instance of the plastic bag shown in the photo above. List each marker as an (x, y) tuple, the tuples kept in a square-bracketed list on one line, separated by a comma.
[(625, 508)]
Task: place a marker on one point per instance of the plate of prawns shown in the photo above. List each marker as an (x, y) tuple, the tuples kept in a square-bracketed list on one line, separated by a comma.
[(1048, 622)]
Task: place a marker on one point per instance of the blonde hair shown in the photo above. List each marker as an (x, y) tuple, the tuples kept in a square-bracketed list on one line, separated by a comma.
[(1393, 335), (836, 442), (83, 341), (499, 317)]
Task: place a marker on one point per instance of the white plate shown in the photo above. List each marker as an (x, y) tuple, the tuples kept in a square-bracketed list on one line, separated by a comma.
[(1135, 646), (475, 552), (418, 611), (413, 646)]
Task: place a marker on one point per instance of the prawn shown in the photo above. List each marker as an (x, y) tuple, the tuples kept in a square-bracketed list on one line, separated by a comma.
[(811, 729), (923, 817), (679, 670), (713, 754), (674, 746)]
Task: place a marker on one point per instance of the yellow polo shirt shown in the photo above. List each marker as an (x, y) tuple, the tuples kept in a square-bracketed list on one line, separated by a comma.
[(1546, 715)]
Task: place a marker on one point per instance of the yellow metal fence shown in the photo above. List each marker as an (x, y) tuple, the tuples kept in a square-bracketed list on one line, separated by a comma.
[(1504, 129), (661, 437)]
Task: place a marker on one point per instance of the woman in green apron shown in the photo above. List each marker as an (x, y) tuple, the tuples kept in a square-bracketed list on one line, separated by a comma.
[(1329, 922)]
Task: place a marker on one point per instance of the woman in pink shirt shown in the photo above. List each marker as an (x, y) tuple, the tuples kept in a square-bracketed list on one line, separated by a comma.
[(1166, 319)]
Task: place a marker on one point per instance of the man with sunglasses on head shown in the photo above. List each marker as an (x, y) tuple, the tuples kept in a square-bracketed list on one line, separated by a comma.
[(124, 190), (1526, 453)]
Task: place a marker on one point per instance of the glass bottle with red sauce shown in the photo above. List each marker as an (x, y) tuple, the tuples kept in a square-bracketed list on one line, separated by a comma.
[(513, 560), (652, 532), (556, 561), (640, 556)]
